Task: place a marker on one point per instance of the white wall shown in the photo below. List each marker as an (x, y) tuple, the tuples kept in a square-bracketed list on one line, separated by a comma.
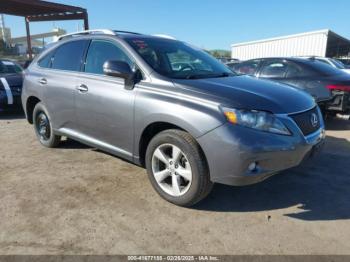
[(312, 44)]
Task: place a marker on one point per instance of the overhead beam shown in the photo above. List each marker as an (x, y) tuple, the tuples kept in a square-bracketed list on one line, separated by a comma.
[(56, 17)]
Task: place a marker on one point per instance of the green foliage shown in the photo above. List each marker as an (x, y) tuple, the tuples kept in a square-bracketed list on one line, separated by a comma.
[(220, 53)]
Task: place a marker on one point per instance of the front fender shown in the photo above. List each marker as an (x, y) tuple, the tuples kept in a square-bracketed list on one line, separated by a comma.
[(195, 115)]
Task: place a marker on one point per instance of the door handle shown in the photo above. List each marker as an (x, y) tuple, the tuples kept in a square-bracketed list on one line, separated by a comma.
[(82, 88), (42, 81)]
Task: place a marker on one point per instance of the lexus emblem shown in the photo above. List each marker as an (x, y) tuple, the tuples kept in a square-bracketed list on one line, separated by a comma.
[(314, 120)]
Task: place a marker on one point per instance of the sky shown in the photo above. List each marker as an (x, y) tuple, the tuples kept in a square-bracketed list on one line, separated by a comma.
[(208, 24)]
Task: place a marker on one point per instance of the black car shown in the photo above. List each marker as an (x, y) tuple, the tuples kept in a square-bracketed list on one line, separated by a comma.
[(11, 80), (329, 86)]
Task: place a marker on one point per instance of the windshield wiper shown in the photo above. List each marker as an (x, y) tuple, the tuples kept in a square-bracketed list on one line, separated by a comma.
[(223, 74)]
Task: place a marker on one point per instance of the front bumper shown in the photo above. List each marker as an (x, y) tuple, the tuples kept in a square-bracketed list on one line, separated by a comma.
[(230, 149)]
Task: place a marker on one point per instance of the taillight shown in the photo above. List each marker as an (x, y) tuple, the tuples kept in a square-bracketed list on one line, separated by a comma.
[(339, 87)]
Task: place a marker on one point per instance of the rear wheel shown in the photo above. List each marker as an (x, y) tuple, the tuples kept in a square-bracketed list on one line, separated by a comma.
[(43, 127), (177, 168)]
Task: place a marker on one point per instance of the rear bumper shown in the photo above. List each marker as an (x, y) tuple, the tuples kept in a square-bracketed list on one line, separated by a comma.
[(340, 102), (231, 149)]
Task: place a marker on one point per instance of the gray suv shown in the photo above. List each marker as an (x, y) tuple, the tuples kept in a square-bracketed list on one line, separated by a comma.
[(170, 107)]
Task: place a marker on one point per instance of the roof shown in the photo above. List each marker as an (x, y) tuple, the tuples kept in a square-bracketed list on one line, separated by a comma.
[(324, 31), (35, 10)]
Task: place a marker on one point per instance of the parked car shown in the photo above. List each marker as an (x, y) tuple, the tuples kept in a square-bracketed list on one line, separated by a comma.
[(329, 86), (226, 60), (232, 64), (11, 79), (190, 128), (332, 62)]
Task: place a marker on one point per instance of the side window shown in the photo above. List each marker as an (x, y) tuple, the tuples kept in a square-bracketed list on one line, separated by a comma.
[(274, 69), (247, 68), (69, 56), (45, 61), (295, 70), (324, 61), (99, 52)]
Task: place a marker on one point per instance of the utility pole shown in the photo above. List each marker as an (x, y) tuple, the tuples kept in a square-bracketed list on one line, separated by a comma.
[(2, 28)]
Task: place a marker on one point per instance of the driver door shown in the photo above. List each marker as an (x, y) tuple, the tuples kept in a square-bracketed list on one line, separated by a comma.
[(104, 107)]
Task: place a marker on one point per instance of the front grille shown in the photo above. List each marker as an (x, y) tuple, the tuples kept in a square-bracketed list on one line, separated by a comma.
[(308, 121)]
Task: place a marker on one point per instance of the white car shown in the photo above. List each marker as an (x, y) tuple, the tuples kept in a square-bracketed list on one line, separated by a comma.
[(332, 62)]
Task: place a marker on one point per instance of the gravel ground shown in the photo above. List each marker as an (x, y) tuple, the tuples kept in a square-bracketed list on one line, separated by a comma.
[(79, 200)]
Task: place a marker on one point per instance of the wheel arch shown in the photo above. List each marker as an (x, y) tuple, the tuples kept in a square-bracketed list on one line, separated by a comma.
[(32, 101), (150, 131)]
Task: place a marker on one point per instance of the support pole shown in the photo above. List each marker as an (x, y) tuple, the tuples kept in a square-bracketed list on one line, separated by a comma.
[(86, 21), (29, 43)]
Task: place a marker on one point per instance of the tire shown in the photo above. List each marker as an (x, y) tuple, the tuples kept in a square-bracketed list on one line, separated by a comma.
[(47, 138), (170, 173)]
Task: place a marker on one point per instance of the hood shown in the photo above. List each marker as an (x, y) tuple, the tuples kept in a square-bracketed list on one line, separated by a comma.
[(14, 80), (250, 93)]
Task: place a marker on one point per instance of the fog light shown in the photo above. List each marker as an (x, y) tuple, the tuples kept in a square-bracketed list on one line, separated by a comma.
[(252, 166)]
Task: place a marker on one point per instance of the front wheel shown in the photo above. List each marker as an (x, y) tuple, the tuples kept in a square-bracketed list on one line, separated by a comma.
[(177, 168), (43, 127)]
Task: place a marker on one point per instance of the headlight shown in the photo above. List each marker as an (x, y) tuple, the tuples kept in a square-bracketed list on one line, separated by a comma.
[(260, 120)]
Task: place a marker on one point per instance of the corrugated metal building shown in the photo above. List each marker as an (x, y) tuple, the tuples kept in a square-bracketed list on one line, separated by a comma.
[(316, 43)]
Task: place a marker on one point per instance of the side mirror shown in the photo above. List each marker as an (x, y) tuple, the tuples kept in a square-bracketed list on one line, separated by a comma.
[(117, 68), (120, 69)]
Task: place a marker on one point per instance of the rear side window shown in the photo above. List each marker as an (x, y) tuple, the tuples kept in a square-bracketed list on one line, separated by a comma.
[(295, 71), (99, 52), (274, 69), (247, 68), (45, 62), (69, 56)]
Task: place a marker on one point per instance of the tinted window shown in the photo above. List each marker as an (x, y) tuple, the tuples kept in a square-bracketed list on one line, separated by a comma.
[(295, 70), (323, 69), (176, 59), (69, 56), (324, 61), (338, 63), (247, 68), (9, 67), (99, 52), (274, 69), (46, 61)]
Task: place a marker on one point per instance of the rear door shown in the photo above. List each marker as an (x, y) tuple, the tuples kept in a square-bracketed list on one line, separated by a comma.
[(58, 76), (105, 109)]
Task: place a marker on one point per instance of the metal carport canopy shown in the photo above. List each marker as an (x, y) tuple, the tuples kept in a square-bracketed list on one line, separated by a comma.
[(38, 11)]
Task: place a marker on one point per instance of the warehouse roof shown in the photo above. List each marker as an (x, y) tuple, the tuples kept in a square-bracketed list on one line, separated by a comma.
[(329, 33)]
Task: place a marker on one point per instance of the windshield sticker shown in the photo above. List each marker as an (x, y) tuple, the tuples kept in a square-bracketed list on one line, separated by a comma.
[(140, 44)]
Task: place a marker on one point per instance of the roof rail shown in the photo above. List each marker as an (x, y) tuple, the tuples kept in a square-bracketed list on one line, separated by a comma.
[(125, 32), (87, 32), (165, 36)]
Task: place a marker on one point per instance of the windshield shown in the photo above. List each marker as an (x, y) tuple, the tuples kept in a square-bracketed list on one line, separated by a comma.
[(8, 67), (179, 60)]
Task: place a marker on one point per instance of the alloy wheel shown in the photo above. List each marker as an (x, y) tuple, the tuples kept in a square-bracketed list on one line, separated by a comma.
[(171, 170)]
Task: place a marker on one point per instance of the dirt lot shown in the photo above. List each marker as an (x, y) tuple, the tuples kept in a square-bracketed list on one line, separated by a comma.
[(78, 200)]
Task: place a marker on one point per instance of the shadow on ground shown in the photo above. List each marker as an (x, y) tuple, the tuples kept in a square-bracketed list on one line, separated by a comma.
[(337, 124), (11, 115), (72, 144), (320, 188)]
